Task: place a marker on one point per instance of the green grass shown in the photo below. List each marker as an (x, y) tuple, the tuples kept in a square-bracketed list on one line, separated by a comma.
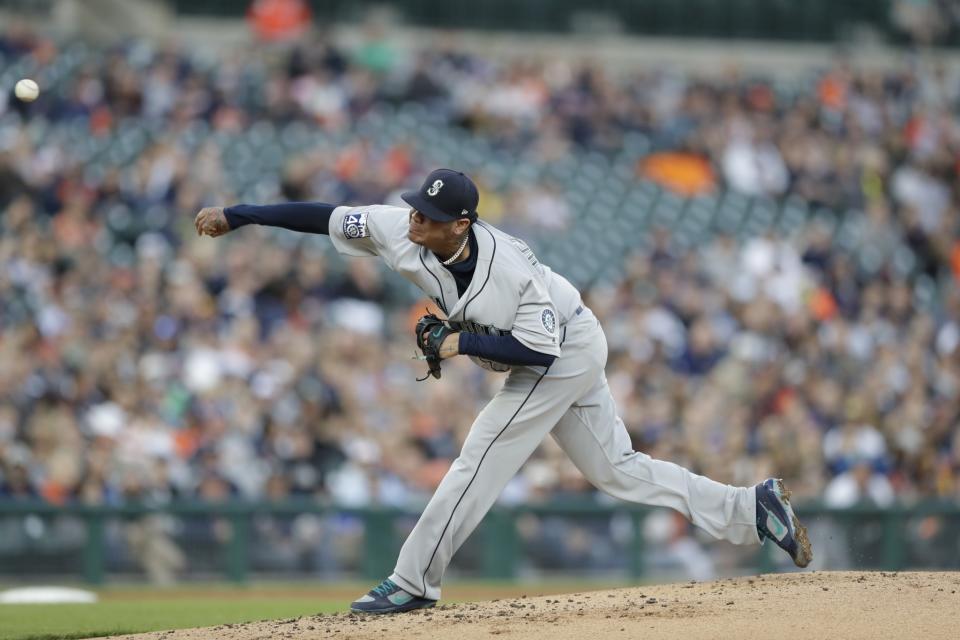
[(69, 621), (135, 608)]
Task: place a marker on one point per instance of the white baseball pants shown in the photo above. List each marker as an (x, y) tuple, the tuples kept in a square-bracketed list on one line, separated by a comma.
[(572, 402)]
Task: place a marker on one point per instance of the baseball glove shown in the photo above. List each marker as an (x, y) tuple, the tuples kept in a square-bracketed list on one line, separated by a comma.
[(431, 331)]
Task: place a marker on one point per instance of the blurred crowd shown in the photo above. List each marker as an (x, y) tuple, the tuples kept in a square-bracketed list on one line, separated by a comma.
[(139, 363)]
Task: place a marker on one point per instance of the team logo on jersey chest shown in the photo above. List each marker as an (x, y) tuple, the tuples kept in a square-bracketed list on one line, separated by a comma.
[(355, 226), (549, 320)]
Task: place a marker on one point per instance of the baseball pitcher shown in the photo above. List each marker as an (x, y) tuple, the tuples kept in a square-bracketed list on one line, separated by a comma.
[(511, 313)]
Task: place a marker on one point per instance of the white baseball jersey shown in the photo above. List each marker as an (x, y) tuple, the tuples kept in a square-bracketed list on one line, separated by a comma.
[(512, 292)]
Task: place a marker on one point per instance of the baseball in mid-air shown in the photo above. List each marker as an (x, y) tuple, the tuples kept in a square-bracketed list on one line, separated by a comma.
[(27, 90)]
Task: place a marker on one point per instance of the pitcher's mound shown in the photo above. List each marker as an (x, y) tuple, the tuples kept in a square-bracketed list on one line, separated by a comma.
[(794, 606)]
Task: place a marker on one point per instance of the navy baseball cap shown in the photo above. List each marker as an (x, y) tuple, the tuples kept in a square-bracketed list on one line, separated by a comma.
[(446, 195)]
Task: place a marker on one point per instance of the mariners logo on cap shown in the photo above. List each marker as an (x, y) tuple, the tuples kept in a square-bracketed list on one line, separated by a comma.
[(435, 189)]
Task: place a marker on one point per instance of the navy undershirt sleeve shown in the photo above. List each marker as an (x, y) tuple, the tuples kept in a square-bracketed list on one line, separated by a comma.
[(310, 217), (505, 349)]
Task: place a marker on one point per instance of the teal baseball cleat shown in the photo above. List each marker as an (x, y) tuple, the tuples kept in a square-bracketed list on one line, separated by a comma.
[(777, 521), (388, 597)]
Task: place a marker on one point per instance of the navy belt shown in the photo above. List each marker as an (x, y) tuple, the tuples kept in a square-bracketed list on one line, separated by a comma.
[(470, 327), (576, 312)]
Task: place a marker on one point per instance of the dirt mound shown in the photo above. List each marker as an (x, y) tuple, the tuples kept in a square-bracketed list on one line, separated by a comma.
[(800, 605)]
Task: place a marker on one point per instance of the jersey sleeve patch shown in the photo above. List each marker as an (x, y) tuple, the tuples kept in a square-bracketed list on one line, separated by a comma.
[(549, 320), (355, 226)]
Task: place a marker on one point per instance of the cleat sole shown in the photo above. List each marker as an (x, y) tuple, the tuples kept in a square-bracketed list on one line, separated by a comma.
[(804, 548), (400, 609)]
